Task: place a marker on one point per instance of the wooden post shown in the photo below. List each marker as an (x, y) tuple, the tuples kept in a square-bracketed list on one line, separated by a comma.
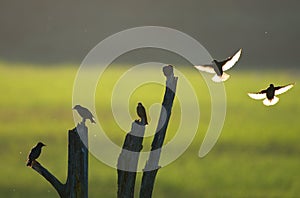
[(128, 160), (151, 167), (77, 181)]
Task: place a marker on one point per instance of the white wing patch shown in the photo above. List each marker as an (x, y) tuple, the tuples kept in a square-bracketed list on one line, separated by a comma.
[(268, 102), (257, 96), (232, 61), (222, 78), (208, 69), (284, 89)]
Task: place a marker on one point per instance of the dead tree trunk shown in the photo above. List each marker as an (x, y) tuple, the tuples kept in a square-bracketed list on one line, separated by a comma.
[(151, 167), (77, 181), (76, 185), (128, 160)]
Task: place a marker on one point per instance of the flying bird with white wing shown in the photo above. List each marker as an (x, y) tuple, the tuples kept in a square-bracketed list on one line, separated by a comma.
[(269, 94), (218, 67)]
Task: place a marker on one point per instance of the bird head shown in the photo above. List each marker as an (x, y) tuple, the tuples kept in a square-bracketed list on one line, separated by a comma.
[(76, 107), (139, 103), (271, 85), (40, 144)]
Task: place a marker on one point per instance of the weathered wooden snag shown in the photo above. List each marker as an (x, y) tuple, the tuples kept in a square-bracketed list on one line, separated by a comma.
[(128, 159), (76, 185), (151, 167)]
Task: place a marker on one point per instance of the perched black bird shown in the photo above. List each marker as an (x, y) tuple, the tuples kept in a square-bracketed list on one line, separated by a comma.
[(218, 67), (34, 153), (140, 109), (84, 113), (269, 94)]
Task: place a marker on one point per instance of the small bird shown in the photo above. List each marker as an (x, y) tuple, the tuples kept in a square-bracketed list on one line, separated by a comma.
[(140, 109), (84, 113), (34, 153), (218, 67), (269, 94)]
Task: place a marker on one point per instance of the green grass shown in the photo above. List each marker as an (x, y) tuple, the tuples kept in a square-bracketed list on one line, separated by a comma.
[(257, 154)]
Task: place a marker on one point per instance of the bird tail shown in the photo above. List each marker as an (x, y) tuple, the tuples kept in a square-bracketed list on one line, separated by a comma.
[(268, 102), (222, 78), (144, 121), (29, 162)]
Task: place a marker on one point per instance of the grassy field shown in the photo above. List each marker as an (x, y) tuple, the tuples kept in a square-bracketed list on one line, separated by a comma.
[(257, 154)]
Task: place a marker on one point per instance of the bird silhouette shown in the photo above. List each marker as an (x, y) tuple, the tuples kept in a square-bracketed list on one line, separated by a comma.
[(84, 113), (269, 94), (140, 109), (34, 153), (218, 67)]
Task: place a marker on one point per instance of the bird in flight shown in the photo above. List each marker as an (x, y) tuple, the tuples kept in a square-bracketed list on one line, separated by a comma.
[(269, 94), (34, 153), (84, 113), (218, 67), (140, 109)]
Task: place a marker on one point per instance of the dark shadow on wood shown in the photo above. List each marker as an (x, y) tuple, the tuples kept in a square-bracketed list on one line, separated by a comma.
[(77, 180), (151, 167), (128, 160)]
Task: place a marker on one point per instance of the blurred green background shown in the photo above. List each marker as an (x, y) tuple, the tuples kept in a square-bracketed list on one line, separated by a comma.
[(42, 44), (257, 154)]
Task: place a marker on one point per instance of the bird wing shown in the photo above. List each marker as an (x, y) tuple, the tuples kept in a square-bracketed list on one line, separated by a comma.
[(258, 95), (85, 113), (90, 115), (232, 60), (283, 89), (141, 111), (34, 153), (206, 68)]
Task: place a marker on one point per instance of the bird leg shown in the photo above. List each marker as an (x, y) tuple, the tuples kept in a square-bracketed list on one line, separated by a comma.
[(143, 121), (83, 121), (34, 162)]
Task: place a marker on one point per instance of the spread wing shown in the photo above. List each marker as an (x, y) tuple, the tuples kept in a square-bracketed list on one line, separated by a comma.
[(283, 89), (258, 95), (206, 68), (232, 60)]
